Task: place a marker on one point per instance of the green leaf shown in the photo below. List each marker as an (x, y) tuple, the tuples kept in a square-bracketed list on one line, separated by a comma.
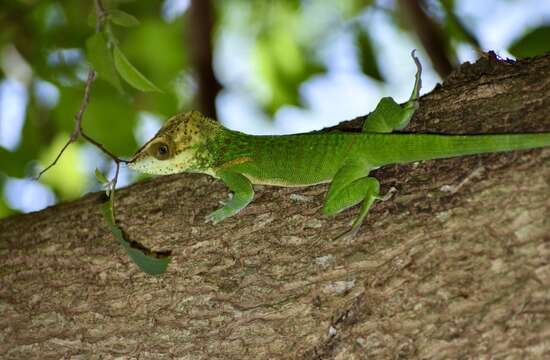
[(149, 264), (101, 178), (535, 42), (101, 59), (122, 18), (131, 74), (366, 54), (152, 263)]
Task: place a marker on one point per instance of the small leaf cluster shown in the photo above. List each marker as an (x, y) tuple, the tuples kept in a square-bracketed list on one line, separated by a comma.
[(109, 61)]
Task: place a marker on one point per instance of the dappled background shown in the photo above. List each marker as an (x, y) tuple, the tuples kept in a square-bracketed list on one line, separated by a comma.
[(263, 67)]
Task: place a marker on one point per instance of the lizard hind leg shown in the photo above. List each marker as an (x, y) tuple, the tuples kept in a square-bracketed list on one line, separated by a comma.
[(351, 186), (372, 195), (389, 115)]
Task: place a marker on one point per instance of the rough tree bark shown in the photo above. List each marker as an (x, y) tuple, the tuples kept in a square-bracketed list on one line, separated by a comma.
[(455, 265)]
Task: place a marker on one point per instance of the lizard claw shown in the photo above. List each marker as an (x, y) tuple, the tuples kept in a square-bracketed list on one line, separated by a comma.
[(348, 234), (388, 195)]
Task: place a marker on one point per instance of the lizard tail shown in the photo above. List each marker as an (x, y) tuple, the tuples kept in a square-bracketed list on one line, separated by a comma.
[(403, 148)]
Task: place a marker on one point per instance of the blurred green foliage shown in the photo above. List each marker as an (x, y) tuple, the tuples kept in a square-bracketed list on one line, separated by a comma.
[(533, 42), (139, 50)]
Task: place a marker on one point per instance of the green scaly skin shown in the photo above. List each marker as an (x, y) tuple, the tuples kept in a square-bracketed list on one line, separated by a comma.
[(190, 142)]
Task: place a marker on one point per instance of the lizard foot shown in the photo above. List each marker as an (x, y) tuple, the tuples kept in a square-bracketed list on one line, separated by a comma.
[(218, 215), (348, 234)]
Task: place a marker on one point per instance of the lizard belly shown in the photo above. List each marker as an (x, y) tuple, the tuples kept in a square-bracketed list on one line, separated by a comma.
[(281, 182), (286, 175)]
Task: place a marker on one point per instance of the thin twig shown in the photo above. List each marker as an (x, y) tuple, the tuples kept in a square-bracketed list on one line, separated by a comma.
[(83, 105), (56, 158), (113, 187), (78, 131), (102, 148), (100, 15), (77, 121)]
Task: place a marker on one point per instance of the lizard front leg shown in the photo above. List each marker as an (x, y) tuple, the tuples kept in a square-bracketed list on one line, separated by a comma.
[(243, 193)]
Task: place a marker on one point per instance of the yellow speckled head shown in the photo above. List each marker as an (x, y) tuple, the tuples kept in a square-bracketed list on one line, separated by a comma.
[(172, 149)]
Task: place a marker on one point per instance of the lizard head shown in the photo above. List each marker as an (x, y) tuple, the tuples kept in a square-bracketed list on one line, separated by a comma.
[(174, 147)]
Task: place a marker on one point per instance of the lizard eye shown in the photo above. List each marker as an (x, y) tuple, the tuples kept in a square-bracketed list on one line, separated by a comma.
[(160, 150)]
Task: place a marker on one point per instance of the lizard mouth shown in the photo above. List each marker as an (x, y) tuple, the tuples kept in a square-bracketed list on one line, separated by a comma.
[(134, 162), (132, 159), (137, 154)]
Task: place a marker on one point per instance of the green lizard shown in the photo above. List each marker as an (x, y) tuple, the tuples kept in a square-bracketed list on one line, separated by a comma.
[(191, 142)]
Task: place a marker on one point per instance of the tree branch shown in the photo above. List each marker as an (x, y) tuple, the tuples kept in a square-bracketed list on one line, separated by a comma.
[(434, 273), (430, 36)]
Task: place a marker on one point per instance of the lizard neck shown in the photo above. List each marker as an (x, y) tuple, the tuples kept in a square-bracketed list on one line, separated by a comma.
[(219, 148)]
